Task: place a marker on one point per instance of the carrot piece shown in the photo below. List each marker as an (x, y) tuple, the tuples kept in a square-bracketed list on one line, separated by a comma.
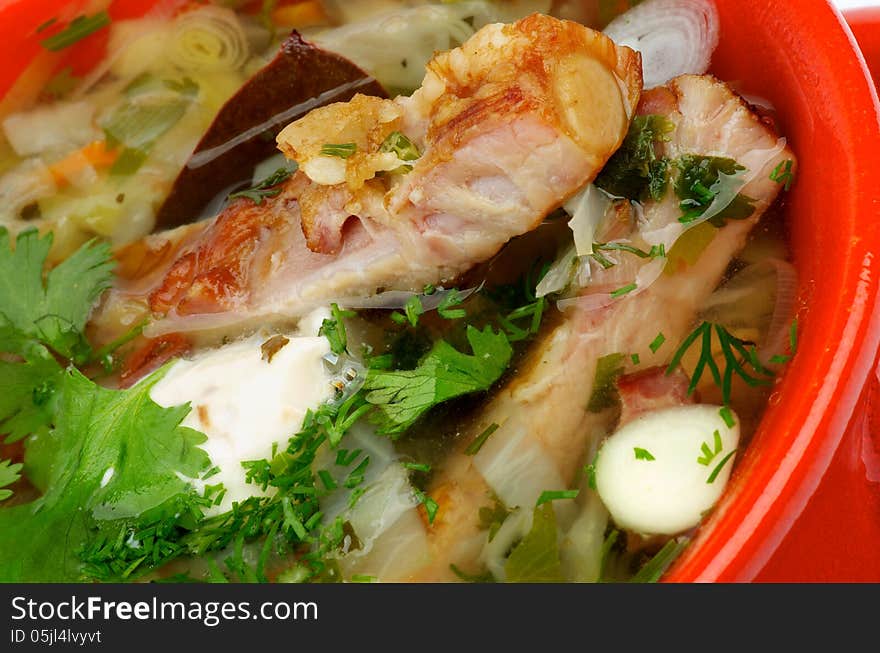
[(95, 154)]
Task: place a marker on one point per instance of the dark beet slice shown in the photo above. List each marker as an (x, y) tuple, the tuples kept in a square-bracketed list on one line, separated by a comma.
[(299, 78)]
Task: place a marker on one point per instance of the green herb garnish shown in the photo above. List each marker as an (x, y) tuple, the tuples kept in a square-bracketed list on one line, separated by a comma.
[(418, 467), (708, 454), (783, 174), (719, 467), (79, 28), (635, 171), (334, 329), (431, 506), (740, 358), (657, 566), (643, 454), (341, 150), (657, 343), (445, 307), (9, 474), (413, 309), (268, 187), (556, 495), (727, 416), (625, 290), (474, 447), (701, 180), (403, 147), (402, 396)]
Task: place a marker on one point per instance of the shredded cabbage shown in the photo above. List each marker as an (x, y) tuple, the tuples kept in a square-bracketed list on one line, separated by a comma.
[(394, 46)]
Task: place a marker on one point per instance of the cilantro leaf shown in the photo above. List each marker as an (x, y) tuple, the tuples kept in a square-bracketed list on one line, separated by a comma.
[(9, 474), (27, 384), (635, 171), (401, 397), (54, 312), (536, 558), (114, 456), (701, 180)]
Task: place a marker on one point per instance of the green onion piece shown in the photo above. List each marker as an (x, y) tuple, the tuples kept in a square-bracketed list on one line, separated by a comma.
[(782, 174), (718, 469), (656, 566), (431, 506), (327, 480), (709, 455), (475, 446), (620, 292), (636, 359), (401, 146), (79, 28), (362, 578), (556, 495), (657, 343), (418, 467), (356, 476), (414, 309), (344, 457), (341, 150), (727, 416)]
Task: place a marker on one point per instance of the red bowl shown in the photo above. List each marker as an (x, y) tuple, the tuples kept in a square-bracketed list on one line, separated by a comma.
[(804, 503), (865, 24)]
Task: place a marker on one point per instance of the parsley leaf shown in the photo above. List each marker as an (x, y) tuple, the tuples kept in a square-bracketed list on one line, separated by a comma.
[(9, 474), (27, 385), (334, 329), (536, 558), (401, 397), (701, 180), (114, 456), (54, 312)]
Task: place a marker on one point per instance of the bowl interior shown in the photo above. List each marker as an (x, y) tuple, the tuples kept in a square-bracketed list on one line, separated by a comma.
[(801, 57)]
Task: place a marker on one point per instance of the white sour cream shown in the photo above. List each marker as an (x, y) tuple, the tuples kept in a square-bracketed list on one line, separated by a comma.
[(245, 404)]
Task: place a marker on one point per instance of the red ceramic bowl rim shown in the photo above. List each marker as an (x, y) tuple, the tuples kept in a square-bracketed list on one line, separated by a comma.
[(768, 492), (821, 390)]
